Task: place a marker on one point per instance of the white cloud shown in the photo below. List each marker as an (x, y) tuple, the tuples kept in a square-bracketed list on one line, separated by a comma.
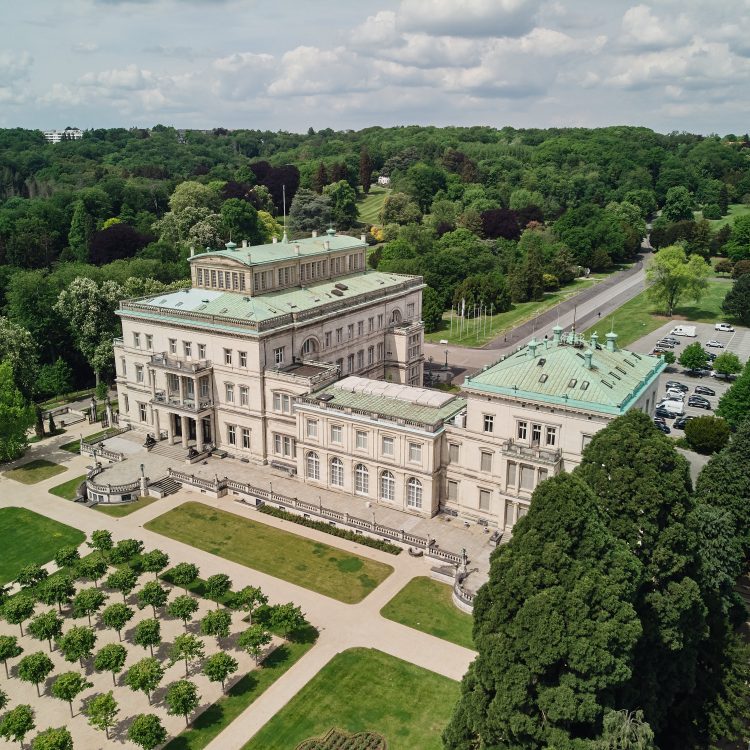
[(131, 77), (85, 48)]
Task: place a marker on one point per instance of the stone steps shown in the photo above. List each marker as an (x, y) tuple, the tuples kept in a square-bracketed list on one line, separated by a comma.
[(164, 487)]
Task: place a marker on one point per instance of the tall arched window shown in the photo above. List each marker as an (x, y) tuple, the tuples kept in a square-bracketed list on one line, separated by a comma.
[(413, 493), (387, 486), (361, 480), (337, 472), (396, 316), (310, 346), (313, 465)]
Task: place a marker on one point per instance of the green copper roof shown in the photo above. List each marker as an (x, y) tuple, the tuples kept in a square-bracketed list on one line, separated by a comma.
[(571, 371), (272, 252)]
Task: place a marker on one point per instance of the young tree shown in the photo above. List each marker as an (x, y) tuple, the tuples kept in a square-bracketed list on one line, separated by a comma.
[(216, 623), (46, 626), (147, 731), (155, 561), (152, 595), (111, 658), (182, 698), (673, 277), (35, 668), (217, 586), (93, 568), (145, 675), (17, 723), (250, 598), (125, 550), (3, 700), (693, 357), (57, 590), (287, 618), (147, 634), (16, 416), (9, 649), (102, 712), (737, 301), (88, 601), (31, 575), (184, 574), (67, 557), (18, 609), (53, 739), (253, 640), (219, 666), (68, 686), (727, 363), (183, 607), (707, 434), (77, 644), (122, 580), (187, 647), (116, 617), (101, 541)]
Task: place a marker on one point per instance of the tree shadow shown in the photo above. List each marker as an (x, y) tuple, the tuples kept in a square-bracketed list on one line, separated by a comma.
[(119, 732)]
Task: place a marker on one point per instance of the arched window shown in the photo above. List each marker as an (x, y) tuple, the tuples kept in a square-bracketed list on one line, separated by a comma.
[(337, 472), (313, 465), (310, 346), (361, 480), (387, 486), (396, 316), (414, 493)]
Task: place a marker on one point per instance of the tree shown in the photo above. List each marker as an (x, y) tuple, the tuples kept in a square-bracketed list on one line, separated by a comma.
[(183, 607), (182, 698), (93, 568), (184, 574), (287, 618), (216, 623), (19, 350), (15, 416), (309, 211), (57, 590), (9, 649), (46, 626), (68, 686), (678, 205), (217, 586), (399, 208), (115, 242), (672, 277), (122, 580), (78, 643), (155, 561), (102, 712), (35, 668), (737, 301), (707, 434), (320, 179), (253, 640), (31, 575), (53, 739), (116, 617), (343, 202), (240, 221), (693, 357), (365, 169), (101, 541), (219, 666), (3, 700), (147, 731), (111, 658), (88, 601), (152, 595), (145, 675), (125, 550), (17, 723), (738, 244), (625, 730), (734, 405), (432, 309), (66, 557), (18, 609), (566, 584), (187, 647), (147, 634)]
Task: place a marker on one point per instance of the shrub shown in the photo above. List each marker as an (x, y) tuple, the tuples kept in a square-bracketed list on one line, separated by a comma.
[(724, 266), (712, 211), (707, 434)]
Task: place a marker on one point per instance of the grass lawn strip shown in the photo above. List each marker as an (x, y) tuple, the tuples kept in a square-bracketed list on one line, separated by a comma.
[(74, 446), (368, 208), (35, 471), (735, 210), (118, 510), (296, 559), (68, 490), (364, 690), (31, 538), (426, 605)]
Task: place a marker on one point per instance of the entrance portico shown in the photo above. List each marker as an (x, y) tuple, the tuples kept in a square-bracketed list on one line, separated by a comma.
[(187, 430)]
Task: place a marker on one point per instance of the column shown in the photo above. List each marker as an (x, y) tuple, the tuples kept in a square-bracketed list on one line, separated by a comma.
[(185, 424), (170, 427), (515, 513), (157, 425), (199, 433), (182, 388)]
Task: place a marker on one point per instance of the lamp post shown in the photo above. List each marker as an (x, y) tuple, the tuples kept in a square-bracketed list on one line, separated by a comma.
[(270, 485), (446, 359)]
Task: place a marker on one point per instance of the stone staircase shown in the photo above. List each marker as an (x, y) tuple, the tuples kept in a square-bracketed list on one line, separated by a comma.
[(163, 487), (175, 452)]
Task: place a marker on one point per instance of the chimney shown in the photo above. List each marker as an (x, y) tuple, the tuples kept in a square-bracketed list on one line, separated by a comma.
[(594, 340), (611, 341), (297, 249), (532, 345), (192, 251), (557, 334), (244, 243), (275, 240), (327, 244), (363, 237), (587, 355), (314, 232)]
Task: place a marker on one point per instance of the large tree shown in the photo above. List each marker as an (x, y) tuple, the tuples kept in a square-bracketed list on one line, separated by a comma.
[(19, 350), (673, 276), (737, 301), (16, 416), (734, 405)]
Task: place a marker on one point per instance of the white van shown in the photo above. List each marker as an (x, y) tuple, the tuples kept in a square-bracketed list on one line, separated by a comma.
[(676, 408), (683, 331)]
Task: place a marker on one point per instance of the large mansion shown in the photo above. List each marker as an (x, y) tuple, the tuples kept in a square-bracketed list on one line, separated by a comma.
[(295, 354)]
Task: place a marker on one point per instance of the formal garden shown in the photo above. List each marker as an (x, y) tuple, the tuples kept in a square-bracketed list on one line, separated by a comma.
[(120, 644)]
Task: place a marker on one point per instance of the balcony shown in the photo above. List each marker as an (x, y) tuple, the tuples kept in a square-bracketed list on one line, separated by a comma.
[(161, 398), (165, 362), (533, 453)]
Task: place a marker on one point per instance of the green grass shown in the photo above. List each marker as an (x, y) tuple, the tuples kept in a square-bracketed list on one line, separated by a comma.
[(67, 490), (35, 471), (498, 324), (365, 690), (639, 316), (36, 439), (74, 446), (368, 207), (118, 510), (316, 566), (426, 605), (66, 398), (31, 538), (735, 210)]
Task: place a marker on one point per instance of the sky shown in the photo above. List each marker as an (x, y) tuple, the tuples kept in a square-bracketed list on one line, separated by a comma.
[(290, 65)]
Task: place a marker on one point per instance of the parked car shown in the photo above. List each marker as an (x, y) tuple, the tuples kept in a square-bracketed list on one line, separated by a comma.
[(663, 412), (724, 327), (665, 344), (705, 390), (663, 427), (672, 340), (670, 408), (711, 356), (675, 394), (680, 422), (699, 402), (714, 344), (679, 386)]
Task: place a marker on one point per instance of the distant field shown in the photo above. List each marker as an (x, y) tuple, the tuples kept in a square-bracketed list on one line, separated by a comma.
[(368, 207), (735, 210)]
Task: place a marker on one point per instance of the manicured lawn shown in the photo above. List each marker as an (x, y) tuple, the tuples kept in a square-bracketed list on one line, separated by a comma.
[(66, 398), (31, 538), (124, 509), (243, 693), (368, 208), (637, 317), (478, 335), (35, 471), (75, 445), (318, 567), (68, 490), (735, 210), (366, 690), (425, 604)]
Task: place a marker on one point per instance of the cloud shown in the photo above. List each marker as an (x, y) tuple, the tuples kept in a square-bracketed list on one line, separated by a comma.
[(15, 69), (643, 30), (85, 48), (131, 78)]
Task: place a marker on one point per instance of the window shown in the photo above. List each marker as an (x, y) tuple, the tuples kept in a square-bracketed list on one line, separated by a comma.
[(370, 325), (527, 478), (203, 383), (415, 453), (243, 359), (312, 466), (370, 354), (381, 349), (339, 335), (337, 472), (227, 356), (173, 383), (282, 402), (361, 480), (361, 440), (522, 430), (387, 446), (396, 317), (585, 440), (139, 373), (484, 499), (246, 438), (173, 346), (489, 423), (360, 359), (127, 404), (550, 436), (244, 395), (312, 428), (149, 341), (486, 462), (542, 475), (328, 339), (387, 486), (283, 445), (137, 340), (337, 433), (187, 348), (350, 331), (123, 367), (361, 328), (142, 412), (350, 363), (452, 491), (381, 320), (454, 450), (231, 434), (310, 346), (414, 493), (229, 392), (278, 355), (201, 351), (536, 434), (511, 480)]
